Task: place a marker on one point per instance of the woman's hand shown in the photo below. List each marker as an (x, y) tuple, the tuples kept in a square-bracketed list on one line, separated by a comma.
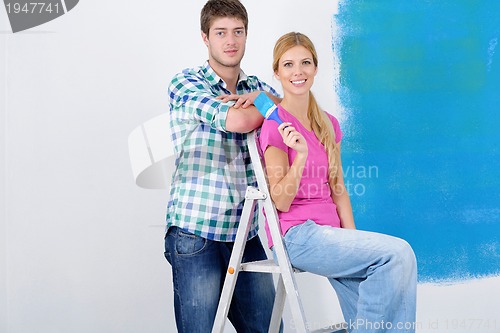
[(293, 139), (243, 100)]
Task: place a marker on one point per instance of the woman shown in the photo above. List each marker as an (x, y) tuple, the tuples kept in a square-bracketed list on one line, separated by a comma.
[(374, 275)]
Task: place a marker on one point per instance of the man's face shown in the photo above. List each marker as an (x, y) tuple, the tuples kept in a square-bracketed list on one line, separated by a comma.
[(226, 42)]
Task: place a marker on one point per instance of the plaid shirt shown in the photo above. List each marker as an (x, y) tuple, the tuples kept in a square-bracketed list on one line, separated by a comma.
[(213, 166)]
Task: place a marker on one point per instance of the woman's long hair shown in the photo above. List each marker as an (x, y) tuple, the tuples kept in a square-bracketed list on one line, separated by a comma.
[(320, 122)]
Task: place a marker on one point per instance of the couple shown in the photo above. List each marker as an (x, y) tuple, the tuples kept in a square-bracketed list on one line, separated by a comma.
[(211, 109)]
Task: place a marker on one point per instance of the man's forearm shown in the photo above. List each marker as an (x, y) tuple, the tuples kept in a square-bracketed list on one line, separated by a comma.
[(243, 120)]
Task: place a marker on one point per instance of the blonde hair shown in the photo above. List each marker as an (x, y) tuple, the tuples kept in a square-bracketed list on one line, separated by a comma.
[(320, 122)]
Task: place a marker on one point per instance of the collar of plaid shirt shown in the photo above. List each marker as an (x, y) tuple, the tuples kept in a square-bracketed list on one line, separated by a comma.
[(214, 79)]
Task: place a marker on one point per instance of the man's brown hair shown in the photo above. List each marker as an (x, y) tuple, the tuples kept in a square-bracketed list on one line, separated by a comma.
[(222, 8)]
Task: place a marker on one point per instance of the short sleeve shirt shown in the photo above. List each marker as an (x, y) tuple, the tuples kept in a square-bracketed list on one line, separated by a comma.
[(313, 200)]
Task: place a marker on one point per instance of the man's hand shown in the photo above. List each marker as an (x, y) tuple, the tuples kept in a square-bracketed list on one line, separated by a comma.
[(243, 100)]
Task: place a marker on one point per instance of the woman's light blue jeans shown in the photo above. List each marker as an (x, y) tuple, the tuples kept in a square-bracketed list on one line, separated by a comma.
[(374, 275)]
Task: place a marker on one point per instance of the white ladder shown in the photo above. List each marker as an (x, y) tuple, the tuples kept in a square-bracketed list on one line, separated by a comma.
[(287, 286)]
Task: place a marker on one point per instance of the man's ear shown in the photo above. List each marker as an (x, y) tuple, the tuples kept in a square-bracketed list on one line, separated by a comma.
[(205, 38)]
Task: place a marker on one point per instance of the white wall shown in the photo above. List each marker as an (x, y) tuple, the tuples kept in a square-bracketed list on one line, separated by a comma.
[(463, 307), (81, 245), (3, 220), (84, 243)]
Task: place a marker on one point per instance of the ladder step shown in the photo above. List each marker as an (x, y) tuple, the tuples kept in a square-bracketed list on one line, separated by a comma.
[(266, 266)]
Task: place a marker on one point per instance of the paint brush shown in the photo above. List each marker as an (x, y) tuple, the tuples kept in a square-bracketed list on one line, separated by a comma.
[(267, 108)]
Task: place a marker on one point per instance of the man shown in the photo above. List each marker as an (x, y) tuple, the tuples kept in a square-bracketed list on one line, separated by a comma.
[(212, 172)]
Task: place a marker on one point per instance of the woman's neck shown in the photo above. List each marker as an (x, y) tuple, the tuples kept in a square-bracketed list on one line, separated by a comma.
[(298, 107)]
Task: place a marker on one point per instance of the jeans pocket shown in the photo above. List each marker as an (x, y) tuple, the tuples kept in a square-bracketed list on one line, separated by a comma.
[(188, 243), (166, 239)]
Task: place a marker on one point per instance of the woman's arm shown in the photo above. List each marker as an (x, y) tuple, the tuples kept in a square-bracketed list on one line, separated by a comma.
[(341, 199), (284, 179)]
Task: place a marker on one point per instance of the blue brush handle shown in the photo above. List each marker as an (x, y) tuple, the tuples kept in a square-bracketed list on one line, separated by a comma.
[(274, 116)]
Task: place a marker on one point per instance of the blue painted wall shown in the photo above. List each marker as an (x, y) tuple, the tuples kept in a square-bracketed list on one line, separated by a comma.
[(420, 84)]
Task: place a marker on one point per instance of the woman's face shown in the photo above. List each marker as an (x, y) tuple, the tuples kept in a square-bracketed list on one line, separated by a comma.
[(296, 71)]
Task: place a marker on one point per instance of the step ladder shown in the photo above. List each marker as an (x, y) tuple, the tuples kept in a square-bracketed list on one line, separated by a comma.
[(286, 287)]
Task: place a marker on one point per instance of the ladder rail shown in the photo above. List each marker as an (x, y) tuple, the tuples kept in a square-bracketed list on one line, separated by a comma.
[(286, 288), (234, 266), (286, 270)]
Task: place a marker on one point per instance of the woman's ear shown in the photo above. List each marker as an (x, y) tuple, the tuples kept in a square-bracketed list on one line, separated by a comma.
[(276, 75)]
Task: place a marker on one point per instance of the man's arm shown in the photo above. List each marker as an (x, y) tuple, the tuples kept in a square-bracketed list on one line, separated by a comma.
[(191, 99), (243, 120), (243, 116)]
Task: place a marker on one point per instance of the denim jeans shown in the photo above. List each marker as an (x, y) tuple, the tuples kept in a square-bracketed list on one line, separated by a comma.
[(199, 267), (374, 275)]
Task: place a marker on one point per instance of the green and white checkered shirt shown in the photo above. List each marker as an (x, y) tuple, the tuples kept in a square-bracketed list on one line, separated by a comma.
[(213, 166)]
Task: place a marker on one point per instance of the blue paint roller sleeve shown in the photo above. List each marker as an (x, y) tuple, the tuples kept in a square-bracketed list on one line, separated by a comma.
[(267, 108)]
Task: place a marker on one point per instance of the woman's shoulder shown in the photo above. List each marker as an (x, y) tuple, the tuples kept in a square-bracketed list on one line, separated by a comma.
[(333, 119), (336, 126)]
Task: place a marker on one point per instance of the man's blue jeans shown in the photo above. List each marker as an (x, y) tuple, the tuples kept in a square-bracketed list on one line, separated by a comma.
[(374, 275), (199, 267)]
